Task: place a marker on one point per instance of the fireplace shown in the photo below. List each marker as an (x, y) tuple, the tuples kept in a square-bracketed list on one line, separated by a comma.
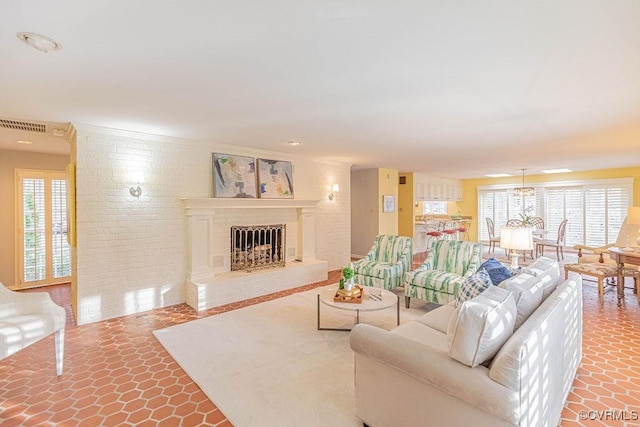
[(210, 281), (255, 247)]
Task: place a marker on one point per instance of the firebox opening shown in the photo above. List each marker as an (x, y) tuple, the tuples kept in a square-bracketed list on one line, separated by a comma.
[(257, 246)]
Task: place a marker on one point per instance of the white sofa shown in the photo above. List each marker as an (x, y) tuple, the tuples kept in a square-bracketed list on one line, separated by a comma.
[(407, 377)]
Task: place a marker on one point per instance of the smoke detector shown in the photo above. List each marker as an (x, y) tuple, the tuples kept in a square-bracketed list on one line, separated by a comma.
[(40, 42)]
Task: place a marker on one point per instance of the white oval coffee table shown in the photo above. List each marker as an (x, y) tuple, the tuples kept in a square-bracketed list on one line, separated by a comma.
[(374, 299)]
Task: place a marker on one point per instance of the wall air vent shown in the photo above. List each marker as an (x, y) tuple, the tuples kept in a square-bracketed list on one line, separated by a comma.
[(20, 125)]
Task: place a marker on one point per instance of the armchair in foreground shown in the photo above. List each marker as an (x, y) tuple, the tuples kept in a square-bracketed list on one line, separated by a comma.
[(383, 267), (26, 318), (438, 279)]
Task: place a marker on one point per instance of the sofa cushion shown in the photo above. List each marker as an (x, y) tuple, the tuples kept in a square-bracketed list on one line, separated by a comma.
[(548, 271), (438, 319), (437, 280), (527, 293), (480, 326), (473, 285), (424, 334), (496, 270)]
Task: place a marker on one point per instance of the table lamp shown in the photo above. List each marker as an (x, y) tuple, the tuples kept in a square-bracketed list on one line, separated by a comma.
[(516, 239), (633, 218)]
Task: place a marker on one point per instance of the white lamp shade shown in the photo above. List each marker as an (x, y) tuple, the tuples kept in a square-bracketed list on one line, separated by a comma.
[(517, 238), (633, 215)]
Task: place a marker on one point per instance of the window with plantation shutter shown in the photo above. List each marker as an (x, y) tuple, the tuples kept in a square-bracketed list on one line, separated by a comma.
[(502, 205), (594, 210), (44, 256), (565, 203)]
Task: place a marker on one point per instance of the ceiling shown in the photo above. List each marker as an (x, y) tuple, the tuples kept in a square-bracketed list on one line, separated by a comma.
[(450, 88)]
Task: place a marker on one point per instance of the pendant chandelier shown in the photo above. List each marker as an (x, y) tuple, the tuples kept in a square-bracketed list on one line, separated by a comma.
[(524, 191)]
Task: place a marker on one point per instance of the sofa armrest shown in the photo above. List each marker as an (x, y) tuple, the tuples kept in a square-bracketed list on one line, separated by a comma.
[(437, 369)]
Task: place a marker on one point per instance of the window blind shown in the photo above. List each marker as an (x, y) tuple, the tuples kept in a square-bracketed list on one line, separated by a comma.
[(595, 210)]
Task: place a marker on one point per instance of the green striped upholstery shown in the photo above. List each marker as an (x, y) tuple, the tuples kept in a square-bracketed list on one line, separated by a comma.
[(439, 278), (385, 264)]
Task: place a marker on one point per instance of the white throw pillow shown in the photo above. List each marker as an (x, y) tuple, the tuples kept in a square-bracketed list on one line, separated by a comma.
[(479, 327), (527, 293), (548, 271)]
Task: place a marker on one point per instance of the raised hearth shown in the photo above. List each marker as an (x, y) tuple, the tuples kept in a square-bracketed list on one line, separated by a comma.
[(210, 281)]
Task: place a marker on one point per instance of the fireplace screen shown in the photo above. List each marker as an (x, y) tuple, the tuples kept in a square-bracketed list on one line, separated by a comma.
[(257, 246)]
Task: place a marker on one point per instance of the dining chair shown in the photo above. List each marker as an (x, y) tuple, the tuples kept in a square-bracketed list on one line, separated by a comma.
[(514, 223), (558, 243), (493, 239), (537, 222)]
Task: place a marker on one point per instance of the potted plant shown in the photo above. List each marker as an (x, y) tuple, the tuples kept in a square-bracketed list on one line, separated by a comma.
[(526, 220), (346, 281), (526, 217)]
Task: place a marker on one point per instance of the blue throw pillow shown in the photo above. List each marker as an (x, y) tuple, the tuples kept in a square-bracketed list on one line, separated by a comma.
[(496, 270), (473, 286)]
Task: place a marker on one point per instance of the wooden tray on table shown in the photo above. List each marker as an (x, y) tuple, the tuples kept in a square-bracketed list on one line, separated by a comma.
[(355, 295)]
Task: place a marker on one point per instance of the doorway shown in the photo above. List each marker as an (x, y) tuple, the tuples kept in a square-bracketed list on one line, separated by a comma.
[(43, 251)]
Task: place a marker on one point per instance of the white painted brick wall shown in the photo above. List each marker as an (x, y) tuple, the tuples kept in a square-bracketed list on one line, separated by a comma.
[(131, 252)]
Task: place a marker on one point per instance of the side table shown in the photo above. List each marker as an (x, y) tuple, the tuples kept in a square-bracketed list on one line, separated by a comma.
[(623, 257), (374, 299)]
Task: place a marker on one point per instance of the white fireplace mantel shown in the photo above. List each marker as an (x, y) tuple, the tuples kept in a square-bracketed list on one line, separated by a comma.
[(201, 219), (209, 281), (234, 203)]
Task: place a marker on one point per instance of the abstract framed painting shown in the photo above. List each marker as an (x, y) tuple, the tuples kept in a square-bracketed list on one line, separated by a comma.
[(275, 179), (234, 176)]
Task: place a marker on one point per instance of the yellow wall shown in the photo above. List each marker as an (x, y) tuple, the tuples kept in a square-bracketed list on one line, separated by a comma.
[(406, 217), (469, 203), (387, 186)]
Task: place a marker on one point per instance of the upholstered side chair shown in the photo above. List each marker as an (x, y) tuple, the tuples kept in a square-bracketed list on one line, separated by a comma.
[(26, 318), (600, 254), (385, 264), (439, 278)]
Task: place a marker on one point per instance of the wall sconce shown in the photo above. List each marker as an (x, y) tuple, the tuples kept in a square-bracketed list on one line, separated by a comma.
[(335, 189), (136, 191)]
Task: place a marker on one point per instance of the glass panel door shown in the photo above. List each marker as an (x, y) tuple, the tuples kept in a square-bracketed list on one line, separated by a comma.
[(33, 238), (44, 255)]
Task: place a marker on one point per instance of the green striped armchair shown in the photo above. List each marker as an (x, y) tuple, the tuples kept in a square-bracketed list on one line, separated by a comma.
[(438, 279), (387, 261)]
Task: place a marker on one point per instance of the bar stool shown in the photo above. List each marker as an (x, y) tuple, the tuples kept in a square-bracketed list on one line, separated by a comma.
[(433, 233), (465, 233), (450, 231)]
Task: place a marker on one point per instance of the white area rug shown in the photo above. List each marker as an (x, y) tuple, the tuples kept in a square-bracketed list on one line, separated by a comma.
[(268, 365)]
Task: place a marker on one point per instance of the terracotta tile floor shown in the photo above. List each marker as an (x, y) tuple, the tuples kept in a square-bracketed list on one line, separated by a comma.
[(116, 372)]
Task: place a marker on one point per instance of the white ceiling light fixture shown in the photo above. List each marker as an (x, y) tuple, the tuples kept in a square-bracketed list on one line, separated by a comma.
[(498, 175), (561, 170), (294, 142), (40, 42), (524, 191)]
